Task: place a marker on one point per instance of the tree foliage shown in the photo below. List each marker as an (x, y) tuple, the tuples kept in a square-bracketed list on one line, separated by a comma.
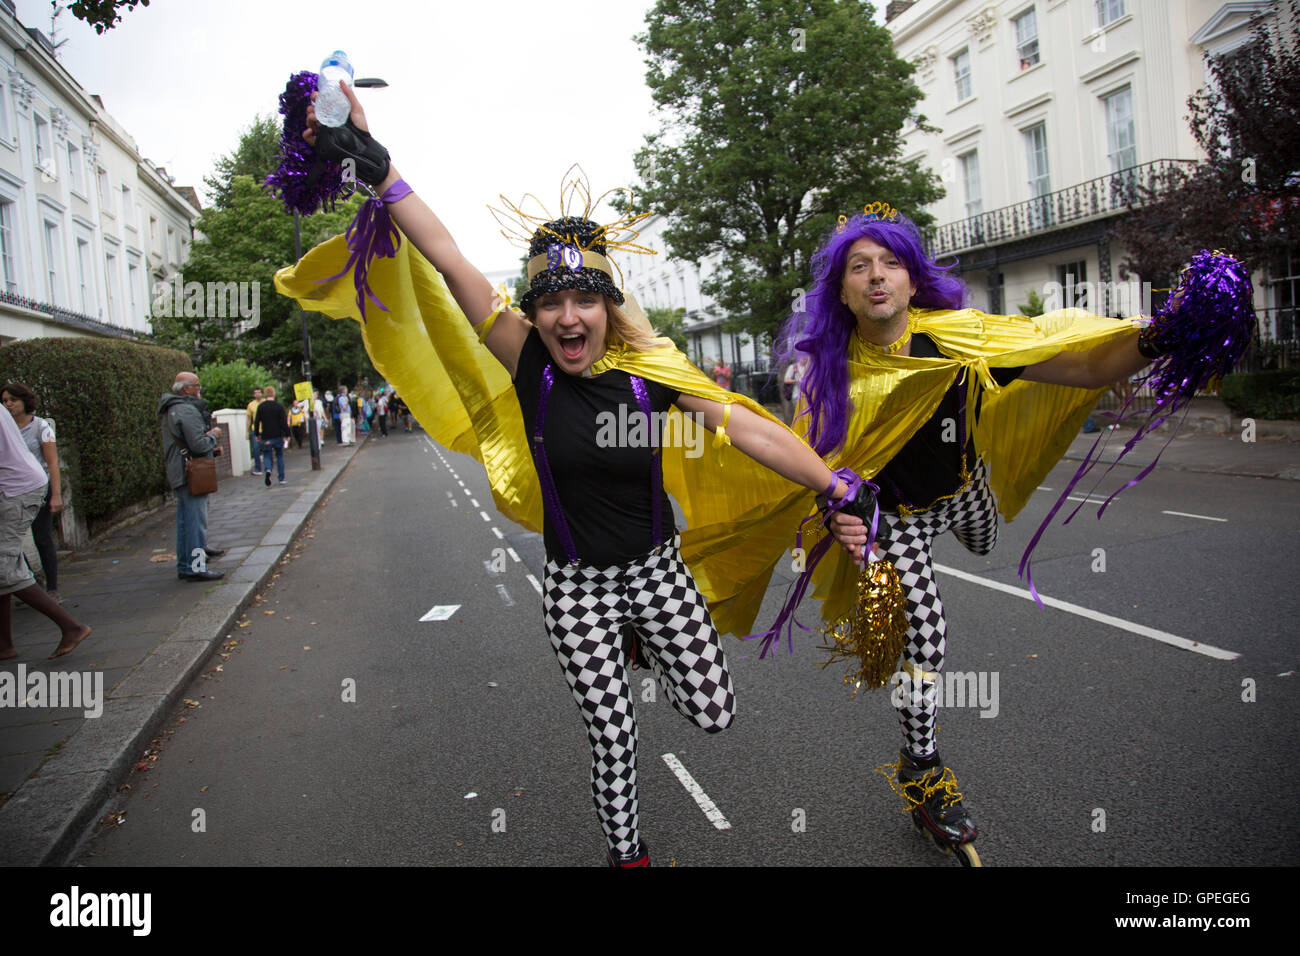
[(103, 14), (671, 323), (779, 116), (1243, 198), (231, 384), (246, 237)]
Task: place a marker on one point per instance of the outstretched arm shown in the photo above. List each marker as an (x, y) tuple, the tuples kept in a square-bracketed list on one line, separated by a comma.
[(770, 444), (469, 287), (1096, 368)]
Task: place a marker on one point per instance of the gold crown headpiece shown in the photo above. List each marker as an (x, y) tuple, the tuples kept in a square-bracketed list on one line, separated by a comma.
[(876, 211), (520, 226)]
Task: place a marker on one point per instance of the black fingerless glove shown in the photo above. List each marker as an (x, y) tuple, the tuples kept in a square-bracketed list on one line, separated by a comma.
[(339, 144)]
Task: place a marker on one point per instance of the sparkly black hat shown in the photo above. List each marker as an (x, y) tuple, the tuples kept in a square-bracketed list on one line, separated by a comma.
[(569, 253)]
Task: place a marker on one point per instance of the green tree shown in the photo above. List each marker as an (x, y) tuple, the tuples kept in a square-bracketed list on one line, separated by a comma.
[(246, 236), (103, 14), (1243, 198), (779, 116), (670, 322), (257, 155), (1034, 306)]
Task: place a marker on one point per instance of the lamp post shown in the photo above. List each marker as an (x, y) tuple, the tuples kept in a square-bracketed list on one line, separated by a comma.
[(375, 83)]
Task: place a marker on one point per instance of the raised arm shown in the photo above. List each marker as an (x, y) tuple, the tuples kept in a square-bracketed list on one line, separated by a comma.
[(1096, 368), (469, 287)]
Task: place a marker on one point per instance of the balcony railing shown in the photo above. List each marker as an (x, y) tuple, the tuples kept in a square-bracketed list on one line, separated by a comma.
[(67, 317), (1104, 196)]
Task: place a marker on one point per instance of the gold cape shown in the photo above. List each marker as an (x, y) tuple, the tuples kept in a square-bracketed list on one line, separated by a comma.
[(740, 516)]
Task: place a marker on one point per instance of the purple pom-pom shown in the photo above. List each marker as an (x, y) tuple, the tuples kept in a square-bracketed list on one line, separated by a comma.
[(297, 158)]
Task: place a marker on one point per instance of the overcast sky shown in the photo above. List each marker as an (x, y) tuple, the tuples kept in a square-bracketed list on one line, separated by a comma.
[(484, 97)]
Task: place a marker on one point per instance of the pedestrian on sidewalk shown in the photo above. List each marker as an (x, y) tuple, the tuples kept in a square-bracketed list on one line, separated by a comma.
[(253, 449), (347, 425), (182, 412), (382, 415), (272, 428), (22, 493), (298, 421), (318, 410), (333, 401), (39, 437)]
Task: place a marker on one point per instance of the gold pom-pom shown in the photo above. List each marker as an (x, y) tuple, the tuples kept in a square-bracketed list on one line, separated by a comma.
[(870, 637)]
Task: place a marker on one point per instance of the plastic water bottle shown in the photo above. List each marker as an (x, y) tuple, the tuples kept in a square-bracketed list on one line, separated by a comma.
[(332, 106)]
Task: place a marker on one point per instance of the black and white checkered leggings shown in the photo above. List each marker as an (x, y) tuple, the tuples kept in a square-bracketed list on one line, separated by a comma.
[(585, 611), (972, 517)]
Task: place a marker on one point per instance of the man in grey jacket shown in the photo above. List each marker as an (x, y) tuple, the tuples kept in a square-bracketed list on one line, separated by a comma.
[(182, 434)]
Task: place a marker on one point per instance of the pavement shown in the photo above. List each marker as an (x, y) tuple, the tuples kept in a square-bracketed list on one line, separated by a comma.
[(154, 634)]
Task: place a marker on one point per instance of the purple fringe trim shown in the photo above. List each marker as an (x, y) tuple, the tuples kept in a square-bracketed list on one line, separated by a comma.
[(1203, 329), (795, 593)]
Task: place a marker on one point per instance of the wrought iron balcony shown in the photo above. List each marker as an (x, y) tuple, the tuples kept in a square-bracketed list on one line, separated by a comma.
[(73, 319), (1106, 195)]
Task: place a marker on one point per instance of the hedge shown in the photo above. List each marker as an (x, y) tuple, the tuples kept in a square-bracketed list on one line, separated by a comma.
[(1273, 394), (103, 395)]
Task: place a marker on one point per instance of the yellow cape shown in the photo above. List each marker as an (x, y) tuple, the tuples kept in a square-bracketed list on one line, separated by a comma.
[(740, 517)]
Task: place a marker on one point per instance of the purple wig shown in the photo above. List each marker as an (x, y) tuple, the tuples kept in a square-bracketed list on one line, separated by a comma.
[(823, 328)]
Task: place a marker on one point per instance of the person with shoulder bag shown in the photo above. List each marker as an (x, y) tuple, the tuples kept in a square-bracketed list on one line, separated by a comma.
[(191, 470)]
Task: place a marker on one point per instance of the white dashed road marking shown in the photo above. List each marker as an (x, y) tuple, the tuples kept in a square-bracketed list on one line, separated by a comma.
[(697, 793)]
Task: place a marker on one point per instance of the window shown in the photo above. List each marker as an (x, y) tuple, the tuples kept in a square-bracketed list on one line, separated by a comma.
[(84, 294), (111, 285), (1071, 275), (1108, 11), (1040, 184), (171, 244), (1121, 149), (74, 169), (961, 74), (5, 132), (970, 177), (52, 262), (105, 193), (127, 218), (1284, 289), (8, 265), (44, 149), (153, 233), (1027, 38), (132, 285)]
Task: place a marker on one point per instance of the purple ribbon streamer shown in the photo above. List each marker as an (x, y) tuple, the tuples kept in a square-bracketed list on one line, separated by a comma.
[(795, 593), (372, 233)]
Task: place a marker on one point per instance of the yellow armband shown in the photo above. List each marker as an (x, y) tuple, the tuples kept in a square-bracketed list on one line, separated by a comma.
[(720, 436), (502, 302)]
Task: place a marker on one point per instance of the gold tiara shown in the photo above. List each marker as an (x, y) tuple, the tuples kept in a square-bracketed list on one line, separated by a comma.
[(876, 211)]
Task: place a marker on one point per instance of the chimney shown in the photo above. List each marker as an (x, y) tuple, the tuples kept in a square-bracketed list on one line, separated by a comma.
[(896, 8)]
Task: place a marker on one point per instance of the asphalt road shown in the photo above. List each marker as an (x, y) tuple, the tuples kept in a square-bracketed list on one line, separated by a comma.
[(342, 730)]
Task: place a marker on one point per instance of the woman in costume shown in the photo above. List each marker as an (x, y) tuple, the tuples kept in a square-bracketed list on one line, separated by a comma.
[(580, 357)]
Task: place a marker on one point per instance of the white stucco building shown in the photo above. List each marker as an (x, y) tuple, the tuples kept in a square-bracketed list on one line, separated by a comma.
[(87, 225), (662, 282), (1048, 111)]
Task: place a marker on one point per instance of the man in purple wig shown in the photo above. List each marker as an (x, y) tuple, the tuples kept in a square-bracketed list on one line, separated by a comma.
[(894, 390)]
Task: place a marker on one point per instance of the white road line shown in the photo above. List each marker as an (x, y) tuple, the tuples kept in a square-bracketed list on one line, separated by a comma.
[(1184, 514), (506, 599), (511, 552), (1043, 488), (1163, 636), (485, 515), (533, 581), (474, 502), (454, 503), (497, 531), (1087, 501), (697, 793)]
